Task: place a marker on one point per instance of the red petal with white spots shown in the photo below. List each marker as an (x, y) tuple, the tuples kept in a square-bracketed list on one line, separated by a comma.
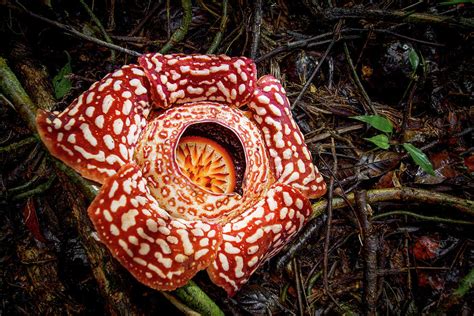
[(97, 133), (178, 79), (161, 252), (290, 155), (258, 234)]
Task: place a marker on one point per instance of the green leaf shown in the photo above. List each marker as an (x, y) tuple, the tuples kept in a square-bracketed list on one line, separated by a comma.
[(414, 59), (61, 83), (420, 158), (376, 121), (380, 140)]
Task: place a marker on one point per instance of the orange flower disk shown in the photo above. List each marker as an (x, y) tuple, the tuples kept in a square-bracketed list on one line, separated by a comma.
[(199, 185)]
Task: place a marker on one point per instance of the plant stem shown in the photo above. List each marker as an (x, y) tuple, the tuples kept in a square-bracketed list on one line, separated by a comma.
[(466, 284), (197, 299), (35, 191), (424, 217), (181, 32), (16, 146), (218, 37), (14, 91)]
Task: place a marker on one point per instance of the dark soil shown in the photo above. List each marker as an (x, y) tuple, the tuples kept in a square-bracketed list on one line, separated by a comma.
[(409, 61)]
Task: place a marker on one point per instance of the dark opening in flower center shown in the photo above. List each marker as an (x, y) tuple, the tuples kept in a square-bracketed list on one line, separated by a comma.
[(212, 157), (206, 163)]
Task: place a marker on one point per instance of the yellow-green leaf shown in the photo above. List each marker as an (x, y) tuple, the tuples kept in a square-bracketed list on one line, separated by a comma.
[(414, 59), (420, 158), (376, 121), (61, 82), (380, 141)]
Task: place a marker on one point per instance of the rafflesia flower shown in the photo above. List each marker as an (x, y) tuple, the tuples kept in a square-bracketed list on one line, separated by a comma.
[(190, 181)]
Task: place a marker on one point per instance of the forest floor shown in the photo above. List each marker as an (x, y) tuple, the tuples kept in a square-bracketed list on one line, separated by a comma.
[(383, 93)]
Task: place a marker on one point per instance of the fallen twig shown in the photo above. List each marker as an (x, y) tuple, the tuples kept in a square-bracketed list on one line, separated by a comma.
[(309, 230), (357, 80), (370, 249), (16, 146), (143, 21), (327, 239), (361, 13), (100, 26), (313, 74), (423, 217), (401, 194), (257, 22), (78, 34)]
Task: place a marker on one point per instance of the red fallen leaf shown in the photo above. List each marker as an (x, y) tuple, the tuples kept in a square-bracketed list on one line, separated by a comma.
[(388, 180), (31, 220), (469, 162), (443, 166), (429, 280), (442, 162), (426, 248)]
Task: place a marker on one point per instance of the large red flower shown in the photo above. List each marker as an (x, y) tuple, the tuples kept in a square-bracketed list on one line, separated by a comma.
[(199, 185)]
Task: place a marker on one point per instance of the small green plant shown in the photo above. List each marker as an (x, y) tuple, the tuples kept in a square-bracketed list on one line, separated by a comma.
[(383, 140), (61, 82)]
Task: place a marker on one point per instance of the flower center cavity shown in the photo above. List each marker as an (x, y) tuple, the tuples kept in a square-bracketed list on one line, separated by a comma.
[(212, 157)]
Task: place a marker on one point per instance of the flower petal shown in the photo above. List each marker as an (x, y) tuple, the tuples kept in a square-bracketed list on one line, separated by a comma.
[(97, 133), (179, 79), (258, 234), (291, 158), (160, 251)]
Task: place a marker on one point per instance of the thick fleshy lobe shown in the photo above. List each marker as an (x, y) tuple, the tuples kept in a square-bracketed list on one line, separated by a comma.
[(160, 251), (257, 234), (178, 79), (97, 133), (291, 158)]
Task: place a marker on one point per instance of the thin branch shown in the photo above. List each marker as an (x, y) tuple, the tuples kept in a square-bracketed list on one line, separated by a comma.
[(327, 239), (423, 217), (299, 287), (401, 194), (78, 34), (41, 188), (360, 13), (257, 22), (220, 33), (370, 250), (357, 80), (181, 32), (100, 26), (313, 74), (143, 21), (294, 45), (16, 146)]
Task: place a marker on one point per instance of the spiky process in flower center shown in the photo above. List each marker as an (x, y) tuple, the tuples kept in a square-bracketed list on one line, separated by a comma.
[(206, 163)]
